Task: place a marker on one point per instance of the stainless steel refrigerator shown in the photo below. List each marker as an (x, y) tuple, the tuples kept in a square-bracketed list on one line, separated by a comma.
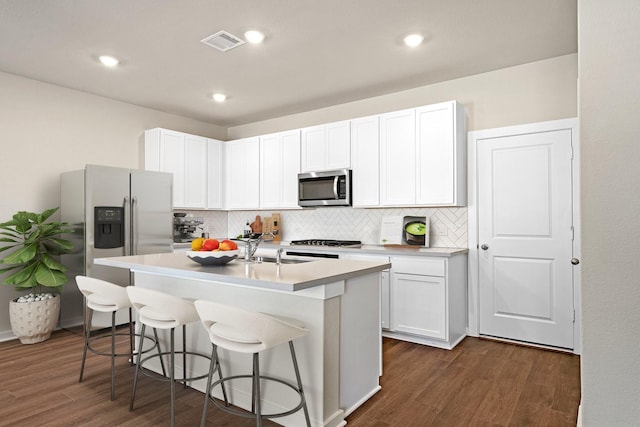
[(115, 212)]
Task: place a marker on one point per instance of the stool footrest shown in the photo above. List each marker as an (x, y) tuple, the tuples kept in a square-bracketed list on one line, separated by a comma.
[(247, 414), (148, 372), (121, 334)]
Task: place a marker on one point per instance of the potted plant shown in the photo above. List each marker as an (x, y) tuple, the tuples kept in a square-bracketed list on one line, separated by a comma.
[(33, 244)]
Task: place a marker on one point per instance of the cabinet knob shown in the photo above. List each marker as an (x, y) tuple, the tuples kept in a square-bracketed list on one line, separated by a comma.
[(575, 261), (484, 246)]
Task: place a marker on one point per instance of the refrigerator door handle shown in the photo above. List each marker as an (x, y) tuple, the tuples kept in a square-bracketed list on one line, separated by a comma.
[(132, 230), (127, 249)]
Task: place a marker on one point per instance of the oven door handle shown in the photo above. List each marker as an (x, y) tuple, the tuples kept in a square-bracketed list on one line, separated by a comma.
[(336, 179)]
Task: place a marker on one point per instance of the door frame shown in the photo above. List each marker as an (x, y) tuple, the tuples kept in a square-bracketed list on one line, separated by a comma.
[(473, 138)]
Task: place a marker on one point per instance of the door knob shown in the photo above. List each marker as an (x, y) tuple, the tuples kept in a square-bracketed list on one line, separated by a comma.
[(575, 261), (484, 247)]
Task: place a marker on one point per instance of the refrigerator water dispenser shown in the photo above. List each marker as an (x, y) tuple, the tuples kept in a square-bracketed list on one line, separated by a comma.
[(109, 227)]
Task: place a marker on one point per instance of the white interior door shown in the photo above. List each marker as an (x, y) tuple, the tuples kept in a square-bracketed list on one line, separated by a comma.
[(525, 237)]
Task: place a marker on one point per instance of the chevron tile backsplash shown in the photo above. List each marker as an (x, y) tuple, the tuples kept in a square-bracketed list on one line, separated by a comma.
[(448, 226)]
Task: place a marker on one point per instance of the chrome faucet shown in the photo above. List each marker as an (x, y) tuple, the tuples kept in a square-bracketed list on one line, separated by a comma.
[(250, 250)]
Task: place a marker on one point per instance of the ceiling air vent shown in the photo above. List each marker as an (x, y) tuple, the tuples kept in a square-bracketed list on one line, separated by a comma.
[(223, 41)]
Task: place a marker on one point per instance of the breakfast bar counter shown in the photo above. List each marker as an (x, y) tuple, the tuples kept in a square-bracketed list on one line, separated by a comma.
[(337, 300)]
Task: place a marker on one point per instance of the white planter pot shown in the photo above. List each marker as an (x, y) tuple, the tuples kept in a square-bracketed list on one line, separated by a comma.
[(33, 322)]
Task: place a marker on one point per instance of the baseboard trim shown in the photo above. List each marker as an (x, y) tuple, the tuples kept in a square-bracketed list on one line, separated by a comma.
[(527, 344), (579, 422)]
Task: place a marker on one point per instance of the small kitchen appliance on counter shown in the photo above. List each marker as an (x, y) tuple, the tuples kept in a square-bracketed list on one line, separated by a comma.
[(412, 231), (184, 227)]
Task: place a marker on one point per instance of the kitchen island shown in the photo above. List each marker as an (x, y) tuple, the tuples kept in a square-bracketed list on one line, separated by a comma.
[(338, 301)]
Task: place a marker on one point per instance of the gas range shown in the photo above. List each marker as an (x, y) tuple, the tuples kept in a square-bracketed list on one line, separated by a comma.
[(327, 242)]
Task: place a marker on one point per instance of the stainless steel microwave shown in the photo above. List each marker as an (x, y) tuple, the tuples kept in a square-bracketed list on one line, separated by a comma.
[(325, 188)]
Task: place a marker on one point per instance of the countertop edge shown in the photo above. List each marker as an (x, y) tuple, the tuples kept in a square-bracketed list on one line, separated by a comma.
[(367, 249), (197, 272)]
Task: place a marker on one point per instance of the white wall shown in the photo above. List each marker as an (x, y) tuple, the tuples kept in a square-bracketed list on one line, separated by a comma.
[(609, 43), (535, 92), (47, 129)]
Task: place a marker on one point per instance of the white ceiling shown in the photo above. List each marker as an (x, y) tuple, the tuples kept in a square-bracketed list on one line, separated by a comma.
[(317, 53)]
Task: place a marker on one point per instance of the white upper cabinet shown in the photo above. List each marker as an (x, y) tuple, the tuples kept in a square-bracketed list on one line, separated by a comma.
[(215, 174), (183, 155), (195, 171), (423, 156), (242, 174), (279, 168), (365, 161), (398, 158), (441, 155), (326, 147)]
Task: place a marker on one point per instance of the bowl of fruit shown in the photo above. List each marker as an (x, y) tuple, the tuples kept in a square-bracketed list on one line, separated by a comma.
[(213, 251)]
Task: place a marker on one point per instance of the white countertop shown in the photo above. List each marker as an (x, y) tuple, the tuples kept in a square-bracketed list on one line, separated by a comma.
[(285, 277)]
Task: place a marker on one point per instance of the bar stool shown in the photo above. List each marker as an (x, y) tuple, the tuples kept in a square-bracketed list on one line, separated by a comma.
[(238, 330), (162, 311), (107, 297)]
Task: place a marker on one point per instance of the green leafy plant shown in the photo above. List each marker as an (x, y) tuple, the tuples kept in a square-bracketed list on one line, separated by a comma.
[(35, 243)]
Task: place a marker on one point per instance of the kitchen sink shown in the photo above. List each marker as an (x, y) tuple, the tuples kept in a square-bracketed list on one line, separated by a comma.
[(282, 261)]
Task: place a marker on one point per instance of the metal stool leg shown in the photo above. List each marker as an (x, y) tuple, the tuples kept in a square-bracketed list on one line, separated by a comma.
[(207, 391), (215, 364), (155, 335), (172, 377), (113, 355), (224, 390), (302, 396), (135, 376), (184, 355), (256, 379), (86, 344), (131, 339)]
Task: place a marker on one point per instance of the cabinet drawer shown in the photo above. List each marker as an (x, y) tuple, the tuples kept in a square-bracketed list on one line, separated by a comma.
[(419, 265)]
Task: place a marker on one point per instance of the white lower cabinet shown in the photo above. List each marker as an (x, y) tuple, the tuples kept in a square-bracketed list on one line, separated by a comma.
[(428, 300), (419, 305)]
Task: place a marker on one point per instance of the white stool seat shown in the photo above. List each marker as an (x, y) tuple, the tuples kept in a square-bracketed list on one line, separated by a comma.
[(101, 295), (160, 310), (243, 331), (231, 333)]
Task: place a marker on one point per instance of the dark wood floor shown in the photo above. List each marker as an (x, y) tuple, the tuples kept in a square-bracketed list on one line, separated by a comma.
[(479, 383)]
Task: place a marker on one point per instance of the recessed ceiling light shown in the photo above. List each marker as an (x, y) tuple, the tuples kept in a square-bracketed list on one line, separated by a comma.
[(219, 97), (254, 36), (413, 40), (108, 61)]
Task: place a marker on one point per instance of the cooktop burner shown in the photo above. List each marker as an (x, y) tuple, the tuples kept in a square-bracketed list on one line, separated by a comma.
[(326, 242)]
